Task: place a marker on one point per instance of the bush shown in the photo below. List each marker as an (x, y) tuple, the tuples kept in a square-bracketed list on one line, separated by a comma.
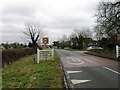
[(103, 53), (11, 55)]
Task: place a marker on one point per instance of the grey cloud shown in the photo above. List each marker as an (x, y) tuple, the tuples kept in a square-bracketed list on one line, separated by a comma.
[(15, 19), (17, 13), (58, 21), (6, 37), (10, 29), (70, 23), (22, 10)]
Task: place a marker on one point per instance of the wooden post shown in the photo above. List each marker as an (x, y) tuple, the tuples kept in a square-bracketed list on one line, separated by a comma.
[(38, 55), (52, 54), (117, 51)]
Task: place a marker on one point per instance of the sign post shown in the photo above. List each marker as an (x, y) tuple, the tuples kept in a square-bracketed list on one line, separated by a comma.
[(45, 55), (52, 54), (38, 55)]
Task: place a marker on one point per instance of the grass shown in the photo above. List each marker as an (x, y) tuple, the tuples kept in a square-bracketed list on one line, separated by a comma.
[(25, 74)]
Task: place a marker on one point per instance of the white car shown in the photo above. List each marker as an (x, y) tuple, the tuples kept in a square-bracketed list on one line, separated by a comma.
[(94, 47)]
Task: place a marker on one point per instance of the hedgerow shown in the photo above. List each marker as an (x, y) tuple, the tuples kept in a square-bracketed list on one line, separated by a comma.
[(11, 55)]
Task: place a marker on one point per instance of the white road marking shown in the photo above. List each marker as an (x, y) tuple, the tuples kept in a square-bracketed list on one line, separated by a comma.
[(73, 71), (86, 59), (75, 63), (111, 70), (74, 81), (95, 63), (74, 59)]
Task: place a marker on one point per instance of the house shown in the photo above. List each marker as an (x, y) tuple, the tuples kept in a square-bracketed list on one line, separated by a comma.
[(1, 47)]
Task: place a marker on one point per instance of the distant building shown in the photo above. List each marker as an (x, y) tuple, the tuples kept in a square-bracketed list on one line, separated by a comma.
[(1, 47)]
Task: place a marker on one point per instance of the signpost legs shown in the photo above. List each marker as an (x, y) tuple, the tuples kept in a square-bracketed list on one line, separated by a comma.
[(52, 54), (38, 55)]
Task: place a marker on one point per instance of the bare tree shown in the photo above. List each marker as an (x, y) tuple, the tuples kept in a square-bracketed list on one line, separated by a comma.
[(84, 32), (64, 38), (33, 32), (108, 19)]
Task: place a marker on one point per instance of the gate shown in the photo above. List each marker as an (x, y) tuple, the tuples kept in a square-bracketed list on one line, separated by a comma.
[(45, 55)]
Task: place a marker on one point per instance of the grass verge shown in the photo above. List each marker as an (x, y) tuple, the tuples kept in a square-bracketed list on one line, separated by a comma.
[(103, 53), (25, 74)]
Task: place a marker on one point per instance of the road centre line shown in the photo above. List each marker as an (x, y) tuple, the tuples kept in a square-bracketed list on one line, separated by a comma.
[(86, 59), (111, 70)]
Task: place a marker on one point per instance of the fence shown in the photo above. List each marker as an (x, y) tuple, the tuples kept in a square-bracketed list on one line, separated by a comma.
[(117, 51), (45, 55)]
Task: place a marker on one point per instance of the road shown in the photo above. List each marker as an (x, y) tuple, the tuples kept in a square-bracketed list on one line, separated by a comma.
[(86, 71)]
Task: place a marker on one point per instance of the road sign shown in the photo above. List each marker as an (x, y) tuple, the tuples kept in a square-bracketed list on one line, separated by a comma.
[(45, 40)]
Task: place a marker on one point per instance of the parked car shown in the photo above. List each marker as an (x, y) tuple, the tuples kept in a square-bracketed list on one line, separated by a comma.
[(94, 47)]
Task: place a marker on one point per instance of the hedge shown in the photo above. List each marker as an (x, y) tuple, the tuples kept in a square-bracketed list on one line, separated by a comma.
[(103, 53), (11, 55)]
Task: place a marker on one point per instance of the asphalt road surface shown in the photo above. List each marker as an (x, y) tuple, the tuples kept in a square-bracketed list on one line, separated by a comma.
[(86, 71)]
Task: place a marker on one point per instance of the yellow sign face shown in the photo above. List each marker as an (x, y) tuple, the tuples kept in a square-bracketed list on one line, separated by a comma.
[(45, 40), (118, 37)]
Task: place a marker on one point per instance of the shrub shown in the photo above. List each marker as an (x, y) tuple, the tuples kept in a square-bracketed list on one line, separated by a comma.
[(11, 55), (103, 53)]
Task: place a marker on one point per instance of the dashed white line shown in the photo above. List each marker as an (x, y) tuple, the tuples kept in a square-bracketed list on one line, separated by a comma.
[(111, 70), (89, 60), (86, 59), (74, 81), (73, 72), (73, 59)]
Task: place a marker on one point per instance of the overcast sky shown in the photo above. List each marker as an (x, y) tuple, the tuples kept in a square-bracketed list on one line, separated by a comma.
[(59, 16)]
